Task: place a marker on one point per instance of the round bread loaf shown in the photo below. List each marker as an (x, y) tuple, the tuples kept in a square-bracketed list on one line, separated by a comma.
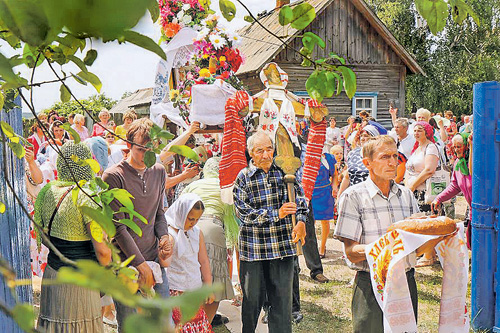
[(429, 225)]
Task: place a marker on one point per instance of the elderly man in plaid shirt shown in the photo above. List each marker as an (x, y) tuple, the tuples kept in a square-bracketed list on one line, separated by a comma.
[(267, 236), (366, 210)]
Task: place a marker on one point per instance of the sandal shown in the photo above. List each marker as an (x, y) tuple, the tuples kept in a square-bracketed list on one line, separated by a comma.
[(322, 256)]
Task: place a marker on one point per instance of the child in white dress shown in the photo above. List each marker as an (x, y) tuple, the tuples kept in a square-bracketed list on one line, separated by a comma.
[(188, 267)]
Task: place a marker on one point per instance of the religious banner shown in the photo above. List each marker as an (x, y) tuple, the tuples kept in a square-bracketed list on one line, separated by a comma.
[(387, 271)]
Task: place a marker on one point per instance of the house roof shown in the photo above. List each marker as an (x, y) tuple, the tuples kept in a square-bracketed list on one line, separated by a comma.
[(259, 46), (138, 98)]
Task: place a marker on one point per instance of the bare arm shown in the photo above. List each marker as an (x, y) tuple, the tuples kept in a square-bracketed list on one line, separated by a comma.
[(354, 251), (431, 163), (180, 140), (35, 172), (344, 185), (188, 173), (206, 272)]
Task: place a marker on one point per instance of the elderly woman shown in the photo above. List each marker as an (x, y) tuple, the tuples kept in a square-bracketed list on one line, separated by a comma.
[(101, 126), (219, 228), (461, 179), (63, 307), (356, 170), (79, 127)]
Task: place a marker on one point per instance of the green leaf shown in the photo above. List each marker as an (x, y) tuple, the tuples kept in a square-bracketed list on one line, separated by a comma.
[(65, 94), (184, 151), (79, 79), (335, 56), (312, 86), (144, 42), (248, 19), (100, 217), (310, 40), (7, 129), (435, 12), (101, 183), (96, 231), (286, 15), (331, 84), (78, 62), (2, 207), (459, 11), (26, 19), (132, 225), (228, 9), (349, 80), (149, 158), (91, 55), (24, 315), (132, 213), (74, 195), (6, 72), (30, 55), (92, 79), (154, 10), (17, 148), (94, 165), (91, 274), (76, 137), (303, 15), (123, 196)]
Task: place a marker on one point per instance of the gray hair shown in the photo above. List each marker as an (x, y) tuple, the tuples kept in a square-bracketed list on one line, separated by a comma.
[(79, 118), (256, 136), (104, 111), (403, 122)]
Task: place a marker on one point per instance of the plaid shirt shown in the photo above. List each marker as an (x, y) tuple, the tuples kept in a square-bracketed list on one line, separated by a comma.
[(365, 214), (257, 199)]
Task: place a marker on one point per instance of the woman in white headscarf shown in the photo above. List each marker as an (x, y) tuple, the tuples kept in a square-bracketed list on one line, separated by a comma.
[(220, 230), (189, 267)]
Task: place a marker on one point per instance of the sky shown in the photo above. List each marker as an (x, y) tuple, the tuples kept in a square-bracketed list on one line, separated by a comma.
[(120, 67)]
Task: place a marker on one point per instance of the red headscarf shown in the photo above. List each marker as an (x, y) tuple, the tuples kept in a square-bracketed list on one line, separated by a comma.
[(429, 133)]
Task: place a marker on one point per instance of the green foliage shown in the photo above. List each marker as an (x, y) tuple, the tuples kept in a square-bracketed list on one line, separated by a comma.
[(92, 79), (228, 9), (94, 104), (303, 15), (65, 94), (184, 151), (435, 12), (144, 42), (285, 15), (76, 137), (24, 315), (90, 57)]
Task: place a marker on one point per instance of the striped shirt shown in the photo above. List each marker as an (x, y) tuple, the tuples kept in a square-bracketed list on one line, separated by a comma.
[(258, 197), (365, 214)]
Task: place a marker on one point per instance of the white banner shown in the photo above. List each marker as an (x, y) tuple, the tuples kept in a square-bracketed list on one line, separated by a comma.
[(388, 279)]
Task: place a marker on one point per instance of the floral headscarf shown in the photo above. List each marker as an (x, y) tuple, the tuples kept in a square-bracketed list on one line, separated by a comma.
[(429, 133), (463, 163)]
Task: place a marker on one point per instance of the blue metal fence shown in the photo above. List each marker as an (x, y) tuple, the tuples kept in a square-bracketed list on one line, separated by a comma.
[(14, 225)]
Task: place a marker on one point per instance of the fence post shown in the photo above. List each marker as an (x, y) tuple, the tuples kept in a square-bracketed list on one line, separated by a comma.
[(14, 224), (485, 204)]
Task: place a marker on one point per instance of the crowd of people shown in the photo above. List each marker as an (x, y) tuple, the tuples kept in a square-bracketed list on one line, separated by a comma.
[(369, 178)]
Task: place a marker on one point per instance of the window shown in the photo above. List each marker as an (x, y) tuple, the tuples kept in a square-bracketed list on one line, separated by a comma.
[(365, 101)]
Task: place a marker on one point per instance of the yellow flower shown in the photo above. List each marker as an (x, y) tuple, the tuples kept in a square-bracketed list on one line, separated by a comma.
[(222, 59), (173, 94), (205, 56), (204, 72)]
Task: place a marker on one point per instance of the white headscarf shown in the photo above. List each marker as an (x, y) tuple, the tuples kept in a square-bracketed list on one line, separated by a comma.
[(176, 216)]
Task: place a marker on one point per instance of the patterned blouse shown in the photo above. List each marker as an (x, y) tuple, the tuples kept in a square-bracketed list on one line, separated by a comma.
[(355, 167)]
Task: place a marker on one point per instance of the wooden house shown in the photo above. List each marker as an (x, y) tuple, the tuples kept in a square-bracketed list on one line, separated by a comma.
[(351, 30)]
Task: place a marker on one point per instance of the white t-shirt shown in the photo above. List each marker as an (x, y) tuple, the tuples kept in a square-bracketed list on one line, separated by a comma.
[(332, 135), (416, 162), (405, 146)]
